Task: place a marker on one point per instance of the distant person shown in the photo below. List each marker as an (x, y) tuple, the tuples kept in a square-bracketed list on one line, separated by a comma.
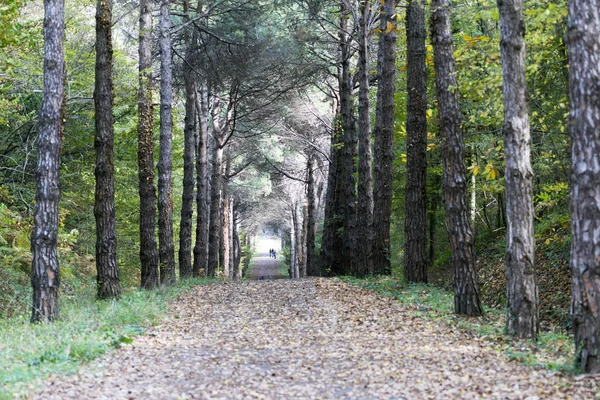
[(274, 254)]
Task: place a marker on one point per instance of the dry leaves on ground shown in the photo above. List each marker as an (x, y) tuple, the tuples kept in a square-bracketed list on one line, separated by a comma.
[(307, 339)]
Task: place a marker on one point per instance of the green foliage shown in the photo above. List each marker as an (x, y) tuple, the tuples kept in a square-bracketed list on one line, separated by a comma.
[(87, 329)]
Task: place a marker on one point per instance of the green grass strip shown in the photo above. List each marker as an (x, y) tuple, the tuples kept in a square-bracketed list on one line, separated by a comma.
[(87, 329)]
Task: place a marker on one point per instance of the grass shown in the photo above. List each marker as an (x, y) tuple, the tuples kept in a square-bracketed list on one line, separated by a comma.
[(553, 350), (86, 330)]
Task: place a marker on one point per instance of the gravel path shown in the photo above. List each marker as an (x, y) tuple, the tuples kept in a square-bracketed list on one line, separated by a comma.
[(307, 339)]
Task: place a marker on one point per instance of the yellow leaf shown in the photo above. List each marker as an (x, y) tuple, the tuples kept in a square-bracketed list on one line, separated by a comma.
[(390, 27), (476, 170), (429, 113)]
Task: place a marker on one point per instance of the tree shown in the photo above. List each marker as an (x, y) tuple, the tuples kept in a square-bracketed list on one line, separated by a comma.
[(384, 140), (466, 287), (202, 192), (339, 237), (364, 260), (583, 41), (45, 271), (104, 207), (148, 251), (166, 248), (415, 226), (189, 152), (522, 318)]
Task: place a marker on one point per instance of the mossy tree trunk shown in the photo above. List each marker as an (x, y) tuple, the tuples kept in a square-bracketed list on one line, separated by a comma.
[(104, 171)]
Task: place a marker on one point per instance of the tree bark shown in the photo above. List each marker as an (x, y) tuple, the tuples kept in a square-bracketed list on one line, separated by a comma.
[(384, 141), (415, 222), (583, 41), (466, 287), (349, 152), (300, 250), (231, 243), (522, 318), (104, 205), (225, 243), (237, 253), (364, 260), (45, 271), (311, 221), (148, 251), (331, 243), (202, 202), (187, 203), (215, 212), (294, 244), (166, 247)]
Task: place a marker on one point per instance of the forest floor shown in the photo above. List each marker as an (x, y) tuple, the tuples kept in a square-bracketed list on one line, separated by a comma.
[(308, 339)]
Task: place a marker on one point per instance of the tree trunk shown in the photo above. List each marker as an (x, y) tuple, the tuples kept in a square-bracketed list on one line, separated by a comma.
[(148, 251), (224, 248), (434, 199), (230, 238), (304, 239), (415, 222), (583, 40), (202, 202), (522, 293), (364, 261), (187, 203), (225, 244), (349, 151), (45, 271), (166, 248), (104, 206), (466, 287), (237, 253), (214, 238), (299, 239), (294, 244), (311, 221), (384, 141), (331, 243)]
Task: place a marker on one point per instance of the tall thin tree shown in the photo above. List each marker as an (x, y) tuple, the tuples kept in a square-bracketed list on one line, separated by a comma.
[(189, 152), (104, 206), (415, 222), (166, 248), (45, 271), (202, 203), (466, 287), (384, 139), (522, 318), (148, 251), (364, 259), (583, 41)]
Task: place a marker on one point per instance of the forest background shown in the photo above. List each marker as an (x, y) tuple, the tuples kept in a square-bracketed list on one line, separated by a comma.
[(267, 155)]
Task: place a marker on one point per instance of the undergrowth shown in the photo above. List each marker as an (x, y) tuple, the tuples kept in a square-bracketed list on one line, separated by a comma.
[(554, 349), (87, 328)]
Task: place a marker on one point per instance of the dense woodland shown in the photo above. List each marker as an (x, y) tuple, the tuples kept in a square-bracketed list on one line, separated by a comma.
[(450, 143)]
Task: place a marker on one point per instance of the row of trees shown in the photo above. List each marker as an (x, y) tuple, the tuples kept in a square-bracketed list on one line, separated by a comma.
[(244, 84), (356, 240)]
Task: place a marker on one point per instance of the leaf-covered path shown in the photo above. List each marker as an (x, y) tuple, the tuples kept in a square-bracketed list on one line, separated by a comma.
[(307, 339), (265, 267)]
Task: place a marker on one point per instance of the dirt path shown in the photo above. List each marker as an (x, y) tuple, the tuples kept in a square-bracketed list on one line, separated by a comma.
[(307, 339), (265, 267)]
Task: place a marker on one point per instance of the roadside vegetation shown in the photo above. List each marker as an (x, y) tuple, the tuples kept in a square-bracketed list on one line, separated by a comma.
[(87, 329)]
